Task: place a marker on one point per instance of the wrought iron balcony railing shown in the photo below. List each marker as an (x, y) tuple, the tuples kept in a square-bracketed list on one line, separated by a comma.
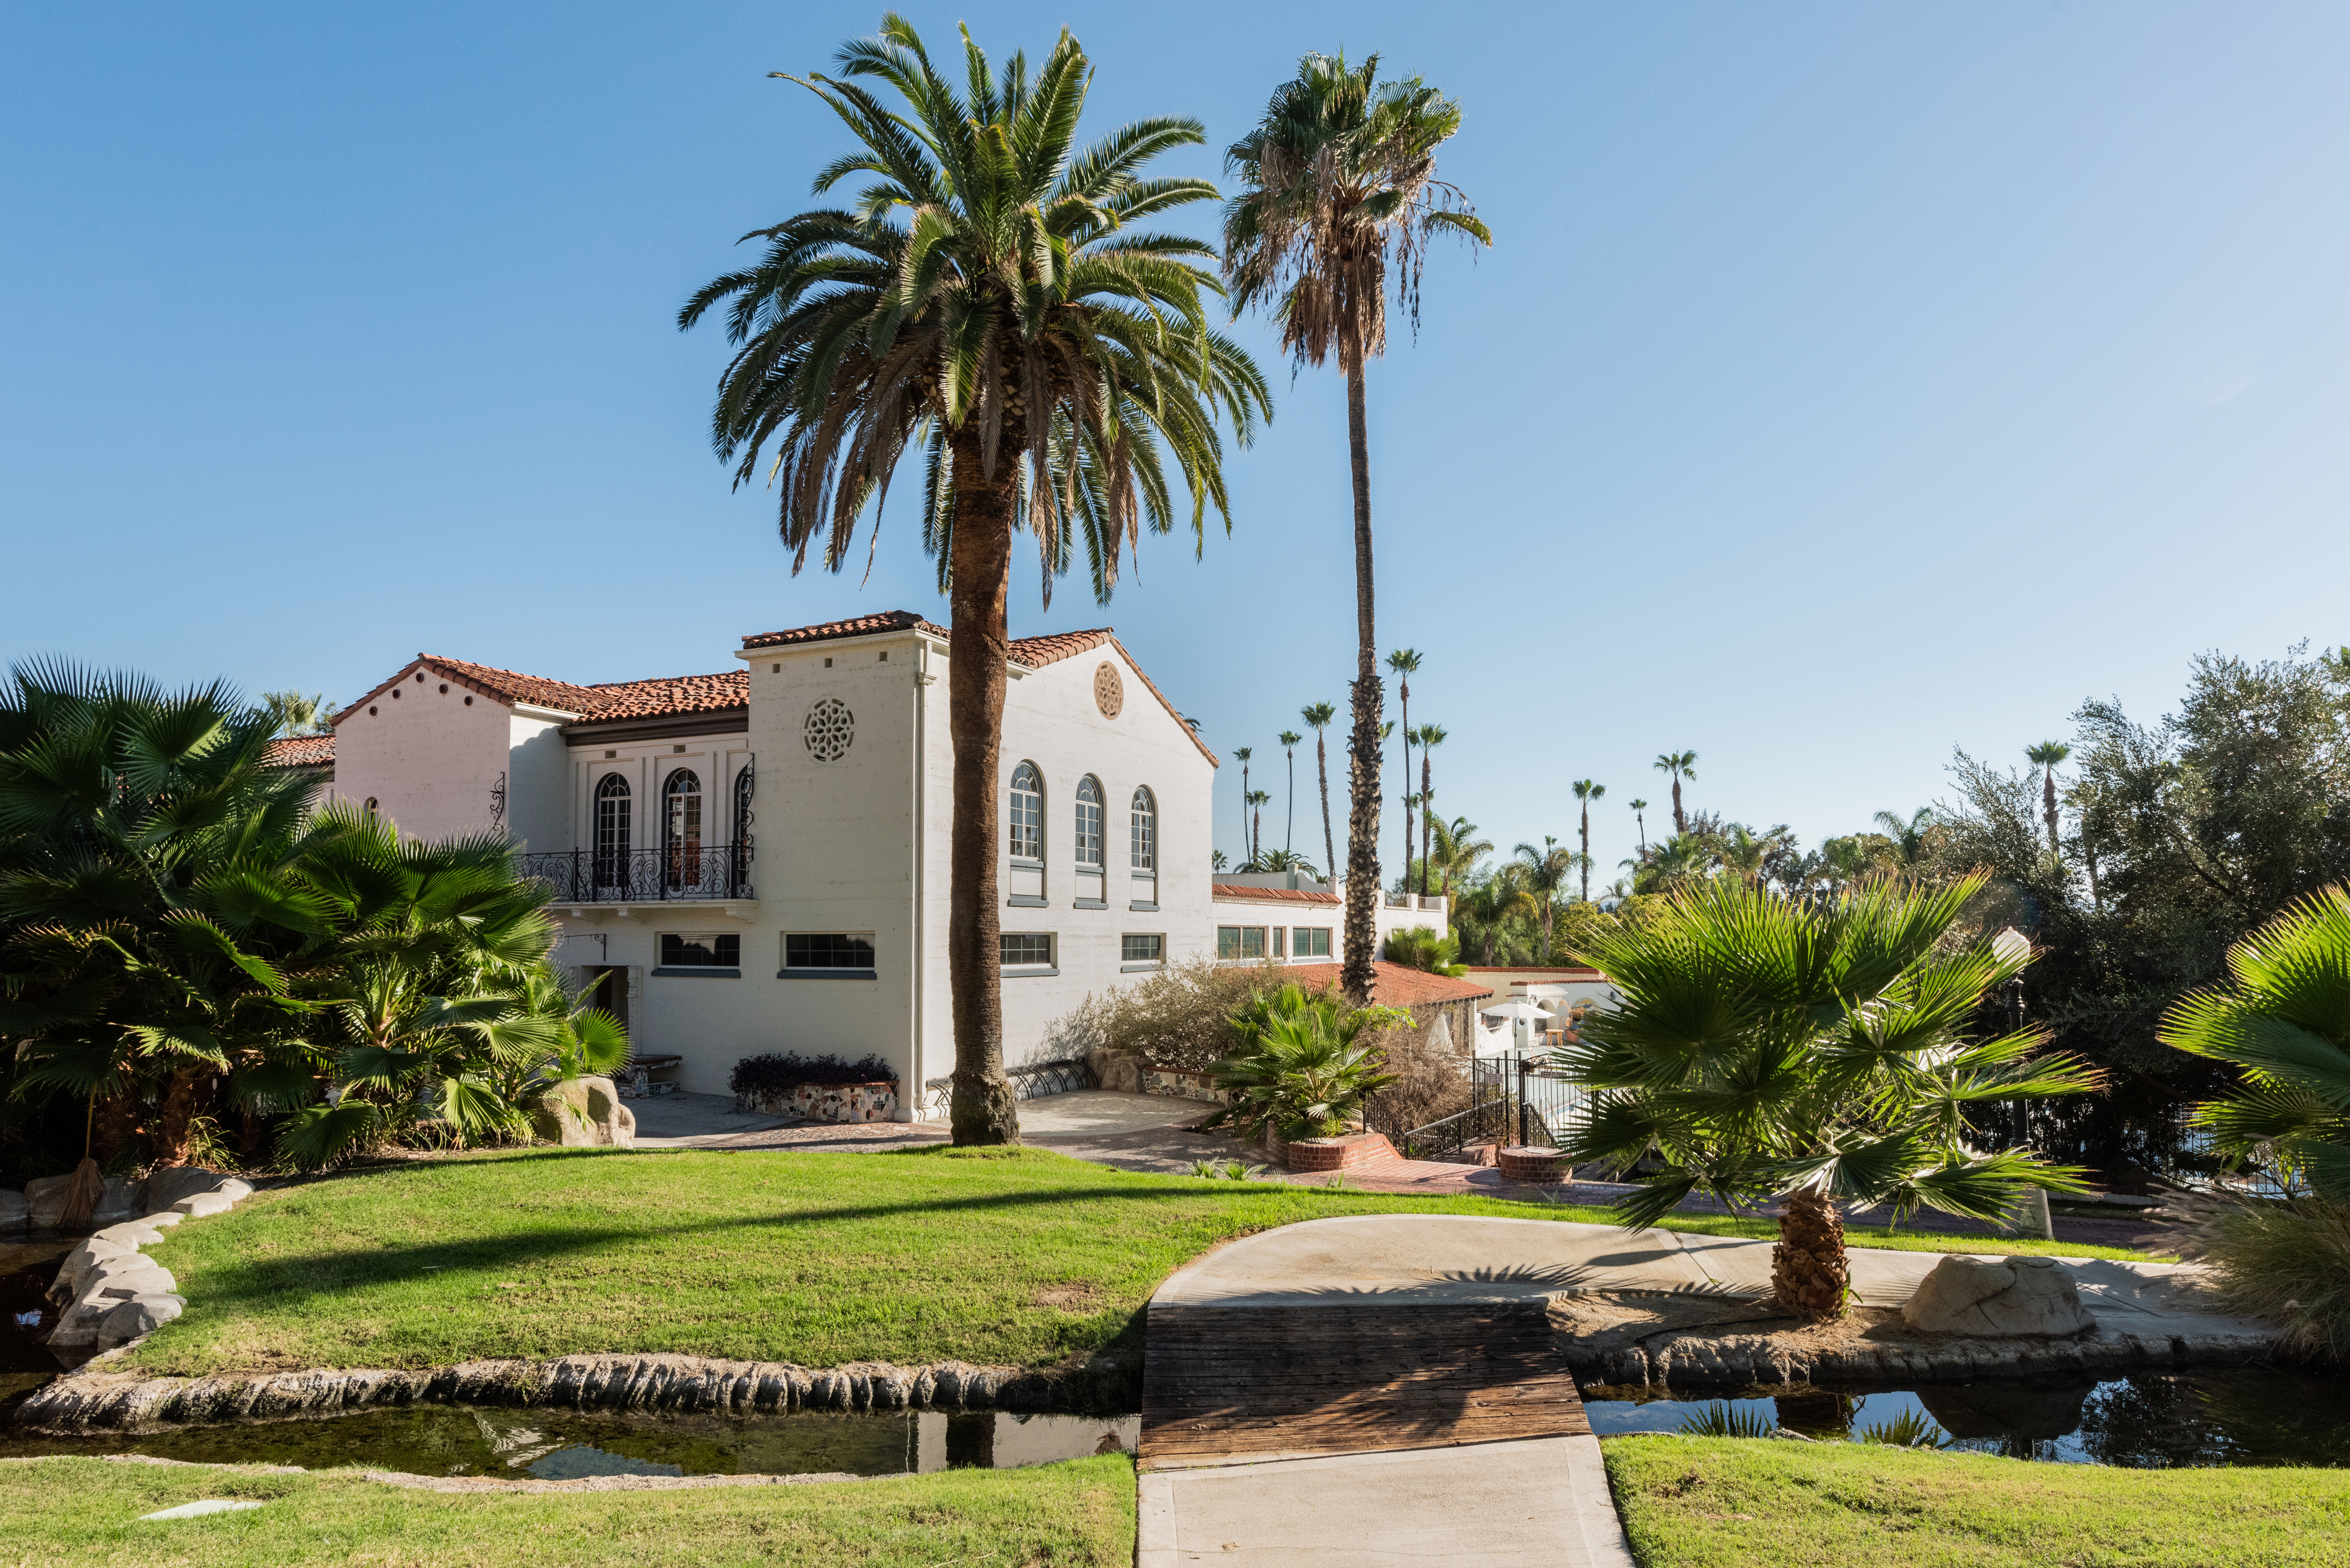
[(702, 872)]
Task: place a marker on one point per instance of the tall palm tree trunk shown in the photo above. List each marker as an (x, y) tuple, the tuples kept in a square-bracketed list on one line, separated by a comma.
[(981, 1110), (1289, 829), (1322, 767), (1587, 852), (1403, 697), (2048, 806), (1809, 1271), (1427, 817), (1680, 823), (1363, 748)]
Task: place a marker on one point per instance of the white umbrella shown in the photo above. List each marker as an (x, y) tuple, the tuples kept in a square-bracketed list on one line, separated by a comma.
[(1514, 1010)]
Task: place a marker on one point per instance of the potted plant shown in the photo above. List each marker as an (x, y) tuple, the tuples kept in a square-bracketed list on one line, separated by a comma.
[(1301, 1074)]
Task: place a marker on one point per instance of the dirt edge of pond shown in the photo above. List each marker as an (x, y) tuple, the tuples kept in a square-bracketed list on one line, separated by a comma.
[(1698, 1341), (95, 1399)]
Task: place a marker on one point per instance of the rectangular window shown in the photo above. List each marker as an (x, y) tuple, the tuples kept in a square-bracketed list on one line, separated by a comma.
[(1024, 950), (1310, 941), (700, 952), (1133, 948), (1280, 936), (1240, 941), (828, 950)]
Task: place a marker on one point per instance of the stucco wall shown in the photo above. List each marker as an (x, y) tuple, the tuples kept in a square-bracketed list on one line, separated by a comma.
[(428, 758), (539, 773)]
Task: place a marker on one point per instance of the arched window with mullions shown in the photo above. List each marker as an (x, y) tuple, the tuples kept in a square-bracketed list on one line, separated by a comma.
[(1090, 823), (682, 829), (612, 831), (1027, 814), (1143, 836)]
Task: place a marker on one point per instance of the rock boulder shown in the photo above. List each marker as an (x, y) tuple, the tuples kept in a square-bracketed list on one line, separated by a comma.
[(1115, 1070), (1997, 1298), (584, 1113), (168, 1186), (15, 1212), (45, 1200)]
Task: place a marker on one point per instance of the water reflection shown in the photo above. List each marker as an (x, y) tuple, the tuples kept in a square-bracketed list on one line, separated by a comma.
[(2242, 1416), (552, 1444)]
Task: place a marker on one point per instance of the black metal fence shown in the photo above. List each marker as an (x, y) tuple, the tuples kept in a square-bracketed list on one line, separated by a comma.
[(1514, 1098), (703, 871)]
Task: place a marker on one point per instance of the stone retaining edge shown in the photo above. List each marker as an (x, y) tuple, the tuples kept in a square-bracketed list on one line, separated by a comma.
[(120, 1402), (1691, 1359)]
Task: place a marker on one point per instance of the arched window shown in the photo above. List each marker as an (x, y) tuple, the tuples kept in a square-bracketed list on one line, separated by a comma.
[(744, 783), (1144, 840), (681, 828), (1089, 821), (1027, 814), (612, 831)]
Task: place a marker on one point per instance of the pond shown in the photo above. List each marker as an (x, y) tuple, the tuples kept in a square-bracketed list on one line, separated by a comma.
[(2222, 1416)]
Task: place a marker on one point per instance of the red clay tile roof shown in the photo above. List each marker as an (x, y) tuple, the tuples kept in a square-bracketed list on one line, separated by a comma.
[(1394, 984), (302, 752), (859, 626), (1270, 895), (1577, 969), (613, 699)]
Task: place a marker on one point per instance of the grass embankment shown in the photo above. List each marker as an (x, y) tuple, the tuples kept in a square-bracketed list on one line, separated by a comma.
[(1079, 1514), (998, 1256), (1715, 1502)]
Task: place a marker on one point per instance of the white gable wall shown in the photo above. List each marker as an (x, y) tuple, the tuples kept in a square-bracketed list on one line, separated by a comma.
[(429, 758)]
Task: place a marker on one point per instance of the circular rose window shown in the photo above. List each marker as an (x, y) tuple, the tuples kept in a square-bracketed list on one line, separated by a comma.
[(1110, 692), (827, 730)]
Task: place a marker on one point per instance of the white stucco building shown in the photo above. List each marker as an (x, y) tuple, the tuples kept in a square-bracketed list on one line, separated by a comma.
[(759, 856)]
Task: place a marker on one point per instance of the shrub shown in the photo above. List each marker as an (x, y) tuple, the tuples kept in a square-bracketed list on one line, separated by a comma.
[(1431, 1082), (1302, 1067), (2286, 1261), (779, 1072), (1179, 1019), (1425, 948)]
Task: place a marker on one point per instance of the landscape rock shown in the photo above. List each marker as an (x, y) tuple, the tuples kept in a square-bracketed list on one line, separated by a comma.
[(1997, 1300), (76, 1263), (163, 1221), (45, 1200), (137, 1316), (15, 1212), (204, 1204), (167, 1187), (1115, 1070), (129, 1233), (584, 1113)]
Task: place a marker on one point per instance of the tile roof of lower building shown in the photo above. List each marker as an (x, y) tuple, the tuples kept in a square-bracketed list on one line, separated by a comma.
[(302, 752), (857, 626), (1229, 892), (1394, 984)]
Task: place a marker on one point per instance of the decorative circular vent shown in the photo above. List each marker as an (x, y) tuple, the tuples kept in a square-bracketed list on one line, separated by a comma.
[(827, 730), (1110, 692)]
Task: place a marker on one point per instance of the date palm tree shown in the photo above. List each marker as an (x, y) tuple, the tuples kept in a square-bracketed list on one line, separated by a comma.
[(1640, 818), (1458, 850), (1493, 901), (1677, 765), (1586, 792), (1338, 184), (1405, 662), (1317, 717), (1289, 739), (995, 298), (1908, 835), (1816, 1051), (1430, 737), (1544, 872), (2045, 756)]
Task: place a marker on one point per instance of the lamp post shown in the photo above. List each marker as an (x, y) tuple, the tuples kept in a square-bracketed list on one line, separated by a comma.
[(2029, 1216)]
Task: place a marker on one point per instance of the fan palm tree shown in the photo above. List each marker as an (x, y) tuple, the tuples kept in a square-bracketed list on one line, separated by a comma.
[(1812, 1052), (1545, 871), (1339, 181), (1317, 717), (1677, 765), (1242, 755), (994, 297), (1587, 791), (1430, 737), (1289, 739), (2045, 756), (1640, 818), (1405, 662), (1256, 819)]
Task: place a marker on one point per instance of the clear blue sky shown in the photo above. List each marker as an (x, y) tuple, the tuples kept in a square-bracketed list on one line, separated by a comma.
[(1847, 383)]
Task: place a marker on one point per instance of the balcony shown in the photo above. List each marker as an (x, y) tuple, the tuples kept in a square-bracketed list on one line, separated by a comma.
[(696, 874)]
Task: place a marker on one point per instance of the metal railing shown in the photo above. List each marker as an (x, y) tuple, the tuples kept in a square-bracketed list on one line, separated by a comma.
[(1512, 1098), (686, 872)]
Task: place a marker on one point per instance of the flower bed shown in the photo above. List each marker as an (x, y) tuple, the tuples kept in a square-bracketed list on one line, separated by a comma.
[(823, 1089)]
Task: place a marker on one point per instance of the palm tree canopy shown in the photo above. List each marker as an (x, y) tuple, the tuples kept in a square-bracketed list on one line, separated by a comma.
[(1289, 737), (1339, 180), (2047, 753), (992, 293), (1765, 1047), (1318, 715)]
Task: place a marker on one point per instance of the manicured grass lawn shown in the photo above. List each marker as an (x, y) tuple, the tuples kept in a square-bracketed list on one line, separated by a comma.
[(1719, 1502), (1002, 1256), (86, 1512)]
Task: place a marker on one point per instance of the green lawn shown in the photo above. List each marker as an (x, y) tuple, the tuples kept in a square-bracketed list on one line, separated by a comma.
[(1718, 1503), (86, 1512), (999, 1256)]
